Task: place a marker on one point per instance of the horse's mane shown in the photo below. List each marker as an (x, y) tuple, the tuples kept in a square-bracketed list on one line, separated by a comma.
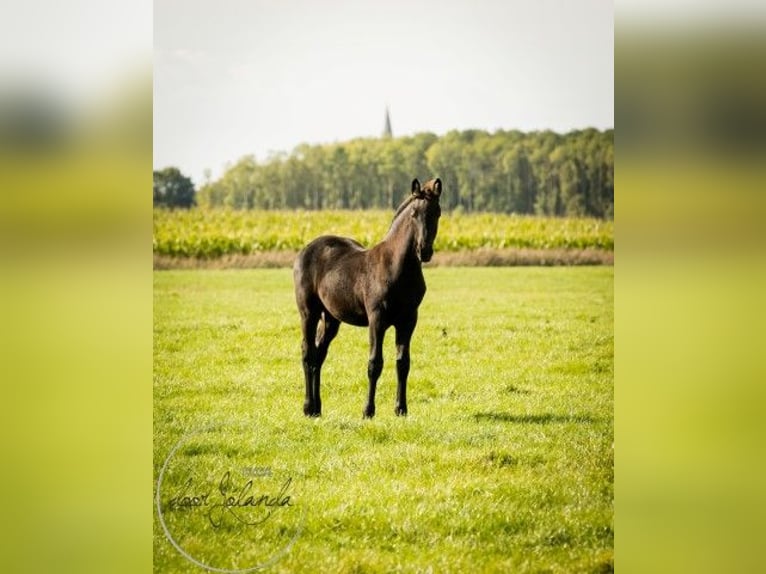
[(403, 206)]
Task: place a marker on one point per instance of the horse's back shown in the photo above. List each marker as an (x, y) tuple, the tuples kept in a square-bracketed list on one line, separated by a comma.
[(325, 252)]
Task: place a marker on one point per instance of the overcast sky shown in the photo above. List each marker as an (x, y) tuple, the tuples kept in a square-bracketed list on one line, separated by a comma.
[(235, 77)]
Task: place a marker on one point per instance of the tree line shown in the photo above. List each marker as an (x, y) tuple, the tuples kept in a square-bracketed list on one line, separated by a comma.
[(543, 173)]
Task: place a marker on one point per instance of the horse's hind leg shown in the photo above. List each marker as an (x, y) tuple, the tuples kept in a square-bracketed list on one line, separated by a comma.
[(309, 319), (326, 331)]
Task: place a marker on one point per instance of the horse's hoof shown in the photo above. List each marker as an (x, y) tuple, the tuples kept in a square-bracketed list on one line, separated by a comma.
[(311, 411), (368, 413), (400, 412)]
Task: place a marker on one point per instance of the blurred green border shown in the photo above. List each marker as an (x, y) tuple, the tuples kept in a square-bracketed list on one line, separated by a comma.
[(689, 293)]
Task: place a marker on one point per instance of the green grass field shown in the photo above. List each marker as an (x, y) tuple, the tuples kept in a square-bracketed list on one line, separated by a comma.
[(505, 463)]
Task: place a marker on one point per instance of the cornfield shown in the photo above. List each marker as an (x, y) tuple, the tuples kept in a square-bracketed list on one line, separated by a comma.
[(211, 233)]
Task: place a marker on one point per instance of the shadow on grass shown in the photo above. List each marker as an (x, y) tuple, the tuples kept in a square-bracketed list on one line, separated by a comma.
[(514, 390), (541, 419)]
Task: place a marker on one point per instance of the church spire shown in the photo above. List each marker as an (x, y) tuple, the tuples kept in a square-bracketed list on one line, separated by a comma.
[(387, 129)]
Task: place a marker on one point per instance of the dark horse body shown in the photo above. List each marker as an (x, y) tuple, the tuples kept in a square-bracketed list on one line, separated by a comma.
[(338, 281)]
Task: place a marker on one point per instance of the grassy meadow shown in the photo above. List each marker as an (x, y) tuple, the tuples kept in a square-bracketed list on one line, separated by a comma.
[(504, 464)]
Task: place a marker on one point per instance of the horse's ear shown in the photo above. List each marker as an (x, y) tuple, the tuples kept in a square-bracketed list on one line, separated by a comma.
[(415, 187), (437, 187)]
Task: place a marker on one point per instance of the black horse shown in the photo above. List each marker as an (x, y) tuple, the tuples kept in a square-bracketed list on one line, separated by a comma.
[(337, 280)]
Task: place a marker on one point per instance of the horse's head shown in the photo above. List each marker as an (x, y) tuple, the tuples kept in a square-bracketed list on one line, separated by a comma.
[(425, 212)]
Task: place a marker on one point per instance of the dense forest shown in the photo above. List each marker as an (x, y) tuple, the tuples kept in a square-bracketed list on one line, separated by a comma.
[(543, 173)]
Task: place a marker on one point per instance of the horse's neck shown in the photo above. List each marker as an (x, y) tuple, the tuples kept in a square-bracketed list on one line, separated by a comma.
[(400, 239)]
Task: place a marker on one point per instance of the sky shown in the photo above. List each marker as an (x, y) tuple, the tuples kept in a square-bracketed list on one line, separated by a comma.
[(239, 77)]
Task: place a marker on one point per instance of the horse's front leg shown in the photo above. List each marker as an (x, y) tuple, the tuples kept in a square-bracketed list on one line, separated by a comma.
[(375, 364), (403, 336)]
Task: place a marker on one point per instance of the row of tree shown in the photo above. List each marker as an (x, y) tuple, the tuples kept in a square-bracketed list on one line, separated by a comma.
[(543, 173), (171, 188)]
